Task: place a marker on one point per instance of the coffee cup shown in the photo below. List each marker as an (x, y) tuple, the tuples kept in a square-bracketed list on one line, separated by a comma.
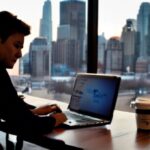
[(142, 109)]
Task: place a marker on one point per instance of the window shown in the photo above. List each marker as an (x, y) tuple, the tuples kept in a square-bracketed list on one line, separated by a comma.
[(58, 49), (123, 34), (71, 36)]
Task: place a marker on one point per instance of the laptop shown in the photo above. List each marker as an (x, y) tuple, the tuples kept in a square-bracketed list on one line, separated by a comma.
[(93, 100)]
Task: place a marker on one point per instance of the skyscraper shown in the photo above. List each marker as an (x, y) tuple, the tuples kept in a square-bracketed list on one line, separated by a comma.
[(46, 22), (39, 58), (46, 27), (72, 17), (142, 26), (72, 12), (114, 56), (143, 21), (101, 51), (129, 40)]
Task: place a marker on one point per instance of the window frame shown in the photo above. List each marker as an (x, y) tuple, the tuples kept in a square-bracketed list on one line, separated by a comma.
[(92, 36)]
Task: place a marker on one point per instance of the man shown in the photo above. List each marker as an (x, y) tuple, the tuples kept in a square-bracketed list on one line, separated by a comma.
[(13, 109)]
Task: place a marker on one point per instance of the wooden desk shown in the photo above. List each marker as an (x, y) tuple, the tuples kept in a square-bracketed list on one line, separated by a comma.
[(121, 134)]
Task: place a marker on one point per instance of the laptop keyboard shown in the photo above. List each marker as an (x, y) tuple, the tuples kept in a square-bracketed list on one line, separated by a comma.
[(78, 118)]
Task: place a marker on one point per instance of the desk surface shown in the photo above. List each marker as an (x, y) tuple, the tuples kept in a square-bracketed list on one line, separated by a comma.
[(121, 134)]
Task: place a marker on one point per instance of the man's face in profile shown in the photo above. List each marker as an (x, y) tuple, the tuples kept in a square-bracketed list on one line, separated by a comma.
[(10, 50)]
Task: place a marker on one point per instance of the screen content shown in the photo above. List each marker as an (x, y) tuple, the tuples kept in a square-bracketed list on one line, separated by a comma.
[(94, 95)]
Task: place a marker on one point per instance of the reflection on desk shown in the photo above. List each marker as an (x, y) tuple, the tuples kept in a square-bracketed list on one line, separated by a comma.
[(120, 135)]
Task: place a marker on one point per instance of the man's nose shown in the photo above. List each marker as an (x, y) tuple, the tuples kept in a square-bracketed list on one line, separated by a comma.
[(19, 54)]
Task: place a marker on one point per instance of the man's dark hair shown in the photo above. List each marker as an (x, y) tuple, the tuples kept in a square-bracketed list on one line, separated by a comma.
[(10, 24)]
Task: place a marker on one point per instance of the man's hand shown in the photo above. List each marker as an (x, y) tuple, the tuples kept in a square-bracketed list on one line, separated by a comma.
[(46, 109), (60, 118)]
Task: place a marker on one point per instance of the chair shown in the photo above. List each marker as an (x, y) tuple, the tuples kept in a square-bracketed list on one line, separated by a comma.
[(42, 141)]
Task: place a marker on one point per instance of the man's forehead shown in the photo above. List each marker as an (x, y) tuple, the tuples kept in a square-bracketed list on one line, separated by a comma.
[(17, 37)]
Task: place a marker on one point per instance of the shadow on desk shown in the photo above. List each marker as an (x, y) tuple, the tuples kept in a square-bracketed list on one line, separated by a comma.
[(88, 138)]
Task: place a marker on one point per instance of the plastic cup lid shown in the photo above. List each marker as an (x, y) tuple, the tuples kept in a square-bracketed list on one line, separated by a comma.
[(142, 103)]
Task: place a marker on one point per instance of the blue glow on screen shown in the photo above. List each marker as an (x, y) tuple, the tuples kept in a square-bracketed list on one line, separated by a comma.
[(94, 94)]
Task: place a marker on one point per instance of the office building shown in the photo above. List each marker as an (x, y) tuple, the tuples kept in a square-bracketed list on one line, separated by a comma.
[(39, 58), (46, 27), (24, 65), (72, 12), (66, 52), (142, 27), (113, 56), (129, 40), (46, 22), (72, 28), (101, 51)]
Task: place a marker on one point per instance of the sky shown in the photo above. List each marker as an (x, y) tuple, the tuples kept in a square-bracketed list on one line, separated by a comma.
[(112, 15)]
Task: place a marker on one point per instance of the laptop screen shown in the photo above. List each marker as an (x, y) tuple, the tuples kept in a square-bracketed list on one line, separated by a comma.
[(95, 95)]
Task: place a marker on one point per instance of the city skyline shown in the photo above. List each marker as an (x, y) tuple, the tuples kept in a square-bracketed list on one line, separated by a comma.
[(110, 20)]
